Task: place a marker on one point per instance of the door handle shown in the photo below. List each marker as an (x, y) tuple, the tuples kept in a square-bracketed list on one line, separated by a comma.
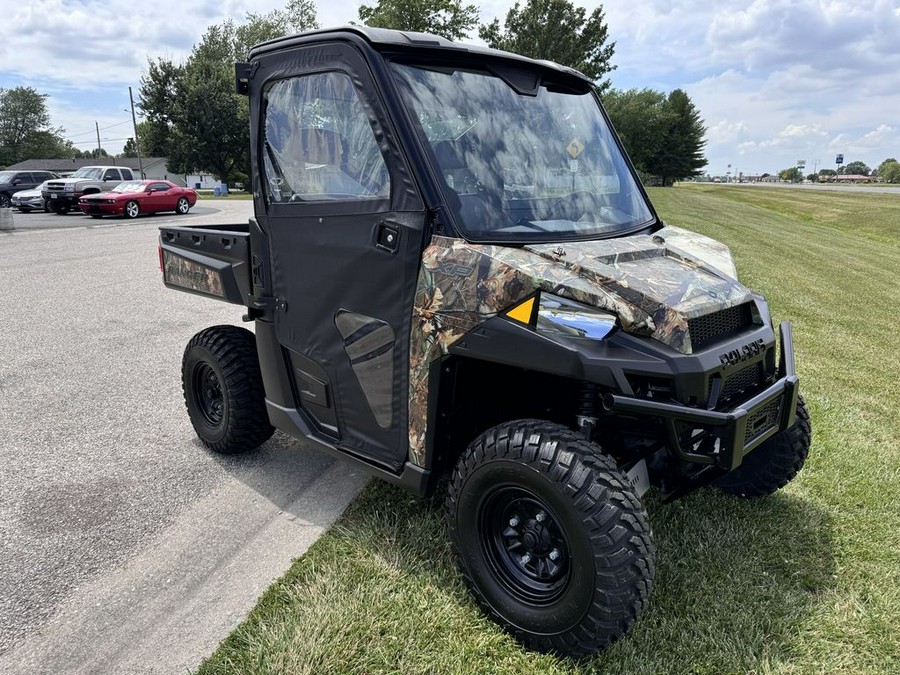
[(387, 237)]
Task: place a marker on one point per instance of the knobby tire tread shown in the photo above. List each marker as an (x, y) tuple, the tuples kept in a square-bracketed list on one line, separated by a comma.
[(619, 527), (233, 349)]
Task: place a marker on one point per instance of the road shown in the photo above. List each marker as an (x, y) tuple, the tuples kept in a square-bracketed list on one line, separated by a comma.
[(126, 547), (881, 189)]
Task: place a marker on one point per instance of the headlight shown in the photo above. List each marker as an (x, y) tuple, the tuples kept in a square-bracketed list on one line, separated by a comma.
[(553, 316), (70, 187), (110, 201), (558, 316)]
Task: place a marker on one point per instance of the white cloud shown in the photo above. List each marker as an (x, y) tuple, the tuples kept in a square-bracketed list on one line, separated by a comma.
[(771, 78)]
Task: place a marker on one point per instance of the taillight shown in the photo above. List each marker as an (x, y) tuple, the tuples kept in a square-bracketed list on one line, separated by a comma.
[(159, 248)]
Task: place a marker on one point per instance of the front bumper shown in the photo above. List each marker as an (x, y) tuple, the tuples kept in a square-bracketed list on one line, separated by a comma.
[(28, 202), (95, 208), (730, 435), (68, 198)]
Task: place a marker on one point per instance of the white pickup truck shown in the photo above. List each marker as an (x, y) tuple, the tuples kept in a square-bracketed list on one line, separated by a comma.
[(62, 195)]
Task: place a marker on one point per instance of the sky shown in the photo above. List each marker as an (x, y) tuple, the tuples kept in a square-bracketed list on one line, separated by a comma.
[(776, 81)]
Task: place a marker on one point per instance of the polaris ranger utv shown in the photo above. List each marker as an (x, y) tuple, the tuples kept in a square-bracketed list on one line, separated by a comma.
[(453, 270)]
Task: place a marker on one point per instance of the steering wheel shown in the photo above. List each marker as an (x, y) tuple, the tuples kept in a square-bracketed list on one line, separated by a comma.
[(582, 201)]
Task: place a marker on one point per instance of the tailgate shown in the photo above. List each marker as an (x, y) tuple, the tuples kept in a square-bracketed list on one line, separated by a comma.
[(210, 260)]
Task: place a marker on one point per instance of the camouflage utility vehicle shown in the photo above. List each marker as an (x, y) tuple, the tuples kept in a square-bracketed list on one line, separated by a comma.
[(453, 270)]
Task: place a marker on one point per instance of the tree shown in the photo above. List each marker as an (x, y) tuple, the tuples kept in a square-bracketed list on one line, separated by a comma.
[(157, 101), (855, 169), (559, 31), (194, 116), (889, 171), (25, 127), (794, 175), (681, 153), (447, 18), (640, 117), (827, 172)]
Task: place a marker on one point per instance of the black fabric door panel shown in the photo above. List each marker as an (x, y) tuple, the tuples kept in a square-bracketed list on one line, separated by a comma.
[(324, 267)]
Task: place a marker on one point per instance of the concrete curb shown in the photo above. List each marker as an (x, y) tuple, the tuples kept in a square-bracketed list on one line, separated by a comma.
[(6, 220)]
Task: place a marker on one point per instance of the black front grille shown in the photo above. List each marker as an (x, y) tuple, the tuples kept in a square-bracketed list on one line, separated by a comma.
[(741, 384), (711, 328), (762, 420)]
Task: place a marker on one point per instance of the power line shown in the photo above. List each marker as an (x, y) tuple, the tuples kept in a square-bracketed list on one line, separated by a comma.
[(117, 124)]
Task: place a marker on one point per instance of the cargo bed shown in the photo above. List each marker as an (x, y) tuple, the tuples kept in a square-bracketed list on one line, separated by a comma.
[(209, 260)]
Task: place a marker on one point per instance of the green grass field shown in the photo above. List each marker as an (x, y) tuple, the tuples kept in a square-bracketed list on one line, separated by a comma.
[(805, 581)]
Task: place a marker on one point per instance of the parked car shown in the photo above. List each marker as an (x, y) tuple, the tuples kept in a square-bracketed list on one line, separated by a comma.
[(63, 195), (133, 197), (26, 200), (16, 181)]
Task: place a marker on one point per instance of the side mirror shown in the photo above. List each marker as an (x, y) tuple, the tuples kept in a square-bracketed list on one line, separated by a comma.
[(16, 181)]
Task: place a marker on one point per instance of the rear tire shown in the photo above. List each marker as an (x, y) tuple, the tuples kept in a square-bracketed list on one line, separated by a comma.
[(550, 538), (773, 464), (223, 390), (183, 206)]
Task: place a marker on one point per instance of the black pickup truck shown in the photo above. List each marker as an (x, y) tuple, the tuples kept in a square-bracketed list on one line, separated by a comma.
[(453, 270)]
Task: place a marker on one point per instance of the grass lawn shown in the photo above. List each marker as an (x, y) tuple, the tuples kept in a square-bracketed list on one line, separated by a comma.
[(805, 581)]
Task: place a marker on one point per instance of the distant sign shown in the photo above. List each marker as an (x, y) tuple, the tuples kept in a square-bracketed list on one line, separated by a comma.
[(801, 163), (839, 159), (575, 148)]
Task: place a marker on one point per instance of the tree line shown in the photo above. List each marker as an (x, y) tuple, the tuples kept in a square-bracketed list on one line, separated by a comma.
[(887, 172), (192, 115)]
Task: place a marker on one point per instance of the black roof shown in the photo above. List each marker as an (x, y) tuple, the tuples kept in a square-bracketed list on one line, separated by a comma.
[(384, 39)]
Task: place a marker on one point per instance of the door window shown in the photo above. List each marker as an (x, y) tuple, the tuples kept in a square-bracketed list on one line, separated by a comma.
[(319, 143), (111, 174)]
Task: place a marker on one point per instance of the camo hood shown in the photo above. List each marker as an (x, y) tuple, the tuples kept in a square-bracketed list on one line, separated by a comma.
[(655, 284)]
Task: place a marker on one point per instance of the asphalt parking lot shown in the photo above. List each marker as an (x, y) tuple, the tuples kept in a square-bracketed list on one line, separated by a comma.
[(39, 220), (124, 545)]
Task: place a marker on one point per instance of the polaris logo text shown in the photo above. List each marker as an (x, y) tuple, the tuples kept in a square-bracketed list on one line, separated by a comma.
[(747, 351)]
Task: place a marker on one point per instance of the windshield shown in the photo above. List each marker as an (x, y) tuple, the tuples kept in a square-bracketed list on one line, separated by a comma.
[(6, 176), (129, 186), (521, 167), (87, 172)]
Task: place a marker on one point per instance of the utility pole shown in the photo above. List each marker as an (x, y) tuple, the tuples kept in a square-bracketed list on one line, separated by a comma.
[(137, 143), (99, 149)]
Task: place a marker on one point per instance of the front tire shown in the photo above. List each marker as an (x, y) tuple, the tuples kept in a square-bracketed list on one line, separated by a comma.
[(550, 538), (183, 206), (223, 390), (131, 210), (5, 201), (60, 209), (773, 464)]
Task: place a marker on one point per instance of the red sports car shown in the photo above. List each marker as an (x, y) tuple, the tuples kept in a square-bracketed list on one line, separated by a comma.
[(134, 197)]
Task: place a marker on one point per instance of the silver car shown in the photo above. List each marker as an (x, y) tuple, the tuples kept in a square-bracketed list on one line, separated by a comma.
[(26, 200)]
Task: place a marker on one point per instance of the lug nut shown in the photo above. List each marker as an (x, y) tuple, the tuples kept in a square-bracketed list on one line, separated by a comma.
[(554, 554), (526, 559), (540, 517), (513, 522)]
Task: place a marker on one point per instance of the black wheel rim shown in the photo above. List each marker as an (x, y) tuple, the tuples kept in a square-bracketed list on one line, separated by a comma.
[(208, 394), (525, 545)]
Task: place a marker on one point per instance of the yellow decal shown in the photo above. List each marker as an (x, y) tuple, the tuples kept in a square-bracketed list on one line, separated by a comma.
[(522, 312), (575, 148)]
